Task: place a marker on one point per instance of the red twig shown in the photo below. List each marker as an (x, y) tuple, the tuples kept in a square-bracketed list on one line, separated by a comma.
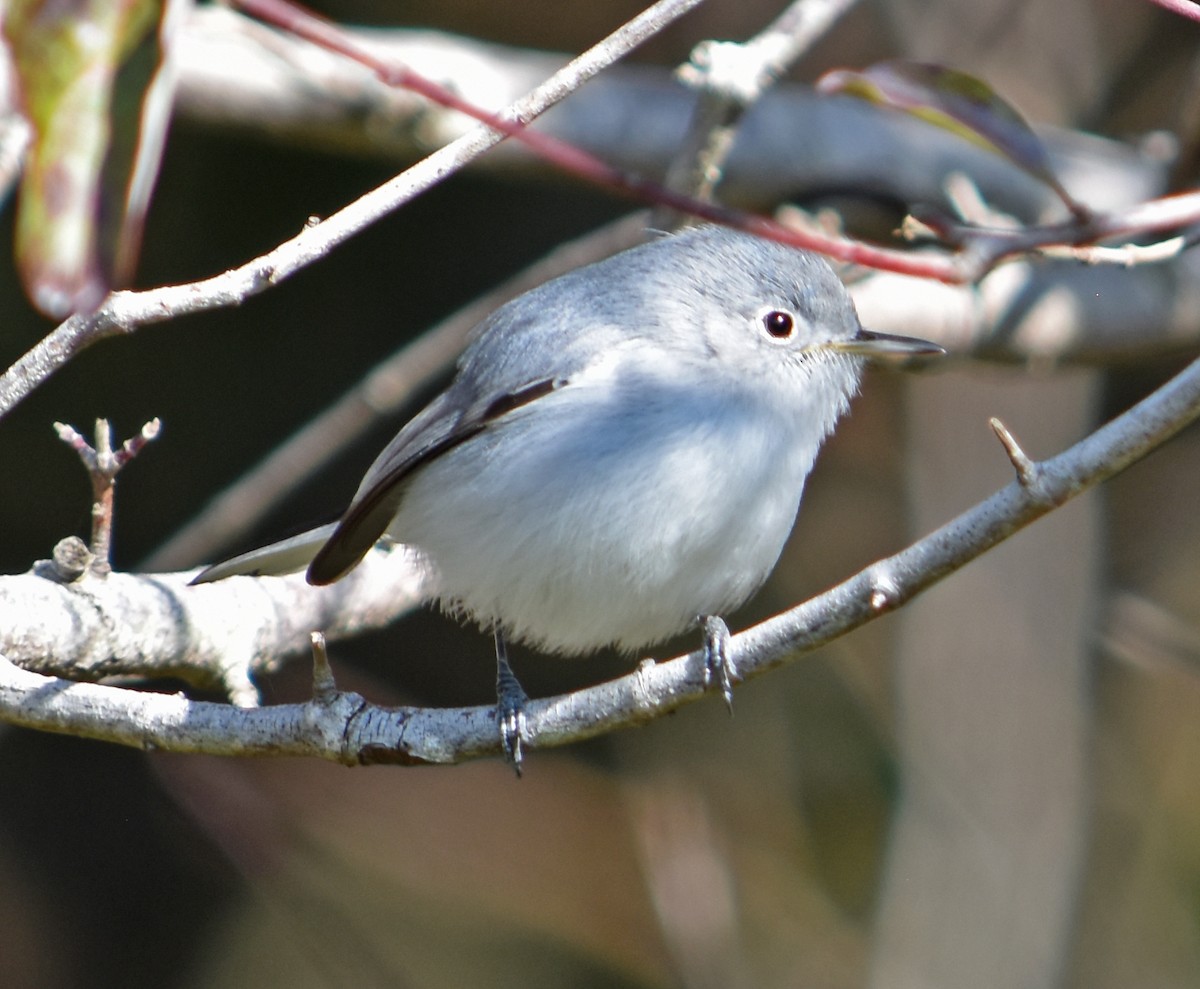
[(288, 16), (980, 249)]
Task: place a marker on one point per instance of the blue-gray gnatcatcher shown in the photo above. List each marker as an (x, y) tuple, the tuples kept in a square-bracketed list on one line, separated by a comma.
[(622, 451)]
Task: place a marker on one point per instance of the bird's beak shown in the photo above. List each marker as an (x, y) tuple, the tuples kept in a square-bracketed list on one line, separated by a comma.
[(868, 343)]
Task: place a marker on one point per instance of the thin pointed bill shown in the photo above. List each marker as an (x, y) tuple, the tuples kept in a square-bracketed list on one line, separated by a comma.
[(868, 343)]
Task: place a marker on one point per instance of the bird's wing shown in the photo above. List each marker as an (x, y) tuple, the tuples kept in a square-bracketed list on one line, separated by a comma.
[(443, 425), (528, 348)]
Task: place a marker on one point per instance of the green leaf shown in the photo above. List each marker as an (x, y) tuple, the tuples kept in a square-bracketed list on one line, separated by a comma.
[(83, 69), (956, 102)]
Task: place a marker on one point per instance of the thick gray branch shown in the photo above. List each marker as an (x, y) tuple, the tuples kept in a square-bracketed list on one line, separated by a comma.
[(1041, 311), (154, 625)]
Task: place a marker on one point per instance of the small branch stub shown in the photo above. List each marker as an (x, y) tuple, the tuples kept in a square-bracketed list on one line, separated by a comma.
[(103, 464), (324, 685), (885, 595), (1026, 469), (71, 560)]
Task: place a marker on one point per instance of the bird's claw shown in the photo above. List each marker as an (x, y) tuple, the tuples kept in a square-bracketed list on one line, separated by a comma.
[(719, 667), (510, 708)]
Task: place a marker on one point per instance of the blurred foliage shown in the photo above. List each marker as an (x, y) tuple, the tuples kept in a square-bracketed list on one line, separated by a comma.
[(954, 101), (82, 69)]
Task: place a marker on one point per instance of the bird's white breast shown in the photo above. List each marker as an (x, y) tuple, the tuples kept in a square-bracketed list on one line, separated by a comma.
[(614, 514)]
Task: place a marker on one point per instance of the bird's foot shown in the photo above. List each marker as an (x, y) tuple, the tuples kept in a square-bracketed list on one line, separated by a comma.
[(510, 707), (719, 668)]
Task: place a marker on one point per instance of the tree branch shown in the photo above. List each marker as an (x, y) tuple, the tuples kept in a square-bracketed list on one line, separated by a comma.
[(216, 635), (345, 728), (1046, 311)]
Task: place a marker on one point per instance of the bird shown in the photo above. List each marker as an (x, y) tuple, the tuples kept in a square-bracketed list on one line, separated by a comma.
[(620, 455)]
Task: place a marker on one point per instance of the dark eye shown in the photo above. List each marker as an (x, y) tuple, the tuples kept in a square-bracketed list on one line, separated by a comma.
[(779, 324)]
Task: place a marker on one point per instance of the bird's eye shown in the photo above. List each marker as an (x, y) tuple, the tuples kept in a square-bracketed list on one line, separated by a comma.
[(779, 324)]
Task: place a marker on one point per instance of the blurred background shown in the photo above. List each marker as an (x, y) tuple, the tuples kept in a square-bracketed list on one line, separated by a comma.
[(994, 787)]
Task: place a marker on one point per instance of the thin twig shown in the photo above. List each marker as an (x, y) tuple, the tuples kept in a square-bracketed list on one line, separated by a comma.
[(982, 249), (237, 72), (103, 464), (1026, 469), (587, 166), (324, 685), (987, 247)]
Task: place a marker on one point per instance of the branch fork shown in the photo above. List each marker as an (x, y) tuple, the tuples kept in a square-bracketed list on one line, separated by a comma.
[(103, 463)]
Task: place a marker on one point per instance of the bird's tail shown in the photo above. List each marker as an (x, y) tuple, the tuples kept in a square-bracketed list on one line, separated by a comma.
[(285, 556)]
